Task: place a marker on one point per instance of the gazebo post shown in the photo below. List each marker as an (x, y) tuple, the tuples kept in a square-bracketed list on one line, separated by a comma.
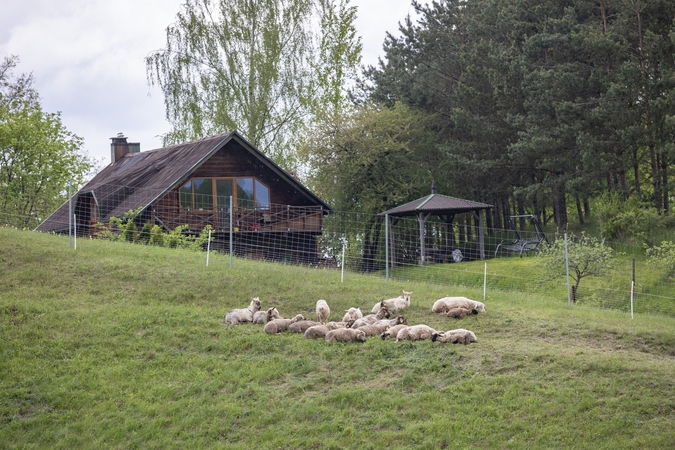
[(392, 244), (422, 218)]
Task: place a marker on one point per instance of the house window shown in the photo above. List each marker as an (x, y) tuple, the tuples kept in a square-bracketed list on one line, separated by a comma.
[(207, 194)]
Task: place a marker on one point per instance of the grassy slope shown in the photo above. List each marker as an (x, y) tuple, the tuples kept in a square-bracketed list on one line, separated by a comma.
[(122, 346)]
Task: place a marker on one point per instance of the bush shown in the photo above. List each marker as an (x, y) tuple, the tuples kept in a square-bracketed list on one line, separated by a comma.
[(156, 236), (621, 220), (663, 257)]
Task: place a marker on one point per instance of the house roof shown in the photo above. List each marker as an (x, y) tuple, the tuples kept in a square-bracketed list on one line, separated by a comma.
[(436, 204), (139, 179)]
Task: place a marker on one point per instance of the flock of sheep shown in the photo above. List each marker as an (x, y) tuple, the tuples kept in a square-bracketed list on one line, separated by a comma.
[(354, 326)]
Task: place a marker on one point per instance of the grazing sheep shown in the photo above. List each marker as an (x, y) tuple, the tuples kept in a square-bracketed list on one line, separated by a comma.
[(393, 331), (458, 336), (278, 325), (322, 311), (301, 326), (415, 333), (394, 304), (237, 316), (446, 303), (265, 316), (460, 313), (371, 318), (375, 329), (352, 314), (346, 335)]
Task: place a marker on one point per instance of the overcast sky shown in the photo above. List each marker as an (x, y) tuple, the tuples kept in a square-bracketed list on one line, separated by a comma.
[(87, 57)]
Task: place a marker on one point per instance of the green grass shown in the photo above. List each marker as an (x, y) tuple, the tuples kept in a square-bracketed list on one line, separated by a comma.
[(122, 346)]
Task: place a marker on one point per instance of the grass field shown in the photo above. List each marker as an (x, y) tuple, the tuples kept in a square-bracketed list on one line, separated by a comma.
[(124, 346)]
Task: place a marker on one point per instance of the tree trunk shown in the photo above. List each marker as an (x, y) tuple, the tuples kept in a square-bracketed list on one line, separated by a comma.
[(580, 211), (371, 239), (560, 207)]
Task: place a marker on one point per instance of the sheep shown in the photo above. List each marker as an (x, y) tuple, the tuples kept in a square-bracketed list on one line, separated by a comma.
[(399, 320), (237, 316), (394, 304), (371, 318), (301, 326), (375, 329), (319, 330), (460, 313), (322, 311), (265, 316), (278, 325), (446, 303), (415, 333), (458, 336), (352, 314), (346, 335), (393, 331)]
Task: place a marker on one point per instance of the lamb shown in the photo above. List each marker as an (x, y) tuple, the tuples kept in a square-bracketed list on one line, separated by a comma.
[(301, 326), (415, 333), (278, 325), (265, 316), (458, 336), (352, 314), (460, 313), (394, 304), (322, 311), (393, 331), (346, 335), (371, 318), (446, 303), (237, 316)]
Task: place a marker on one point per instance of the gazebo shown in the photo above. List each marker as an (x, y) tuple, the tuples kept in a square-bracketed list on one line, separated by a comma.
[(442, 206)]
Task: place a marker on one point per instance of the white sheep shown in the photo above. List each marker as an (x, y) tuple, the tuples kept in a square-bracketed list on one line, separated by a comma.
[(352, 314), (415, 333), (371, 318), (394, 304), (393, 331), (346, 335), (237, 316), (278, 325), (447, 303), (322, 311), (301, 326), (265, 316), (460, 313), (319, 330), (458, 336), (375, 329)]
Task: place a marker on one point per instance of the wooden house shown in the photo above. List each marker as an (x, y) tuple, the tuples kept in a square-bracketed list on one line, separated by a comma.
[(222, 181)]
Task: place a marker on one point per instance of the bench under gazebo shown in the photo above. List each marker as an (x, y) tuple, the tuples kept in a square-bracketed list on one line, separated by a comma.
[(443, 206)]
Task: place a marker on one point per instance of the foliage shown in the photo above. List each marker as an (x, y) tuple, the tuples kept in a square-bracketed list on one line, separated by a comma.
[(156, 236), (663, 257), (38, 155), (253, 66), (85, 367), (622, 219), (586, 256)]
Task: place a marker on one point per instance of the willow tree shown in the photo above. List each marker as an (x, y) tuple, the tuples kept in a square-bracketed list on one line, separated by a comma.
[(248, 65)]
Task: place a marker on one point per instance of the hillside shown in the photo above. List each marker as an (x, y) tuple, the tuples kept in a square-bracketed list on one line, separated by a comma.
[(123, 346)]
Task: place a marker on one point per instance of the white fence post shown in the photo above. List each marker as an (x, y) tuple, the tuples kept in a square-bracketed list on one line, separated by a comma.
[(567, 271), (632, 290), (208, 249), (485, 282), (75, 231), (342, 277), (386, 247), (231, 234)]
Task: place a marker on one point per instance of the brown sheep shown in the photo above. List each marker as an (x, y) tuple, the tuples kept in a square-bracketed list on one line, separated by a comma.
[(278, 325), (460, 313)]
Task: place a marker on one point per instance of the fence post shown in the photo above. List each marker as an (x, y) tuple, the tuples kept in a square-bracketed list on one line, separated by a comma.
[(231, 231), (342, 276), (208, 249), (75, 231), (567, 272), (70, 213), (485, 282), (386, 247)]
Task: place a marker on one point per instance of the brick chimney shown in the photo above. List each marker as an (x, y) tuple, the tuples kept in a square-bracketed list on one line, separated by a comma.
[(120, 147)]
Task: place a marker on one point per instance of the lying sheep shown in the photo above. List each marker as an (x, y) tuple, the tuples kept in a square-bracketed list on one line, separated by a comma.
[(399, 320), (460, 313), (322, 311), (237, 316), (375, 329), (371, 318), (393, 331), (346, 335), (301, 326), (352, 314), (447, 303), (415, 333), (278, 325), (265, 316), (394, 304), (319, 331), (458, 336)]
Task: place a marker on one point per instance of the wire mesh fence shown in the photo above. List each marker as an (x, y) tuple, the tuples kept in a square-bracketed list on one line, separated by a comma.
[(456, 254)]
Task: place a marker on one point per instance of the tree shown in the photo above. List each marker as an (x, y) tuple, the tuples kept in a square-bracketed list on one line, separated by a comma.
[(587, 257), (38, 155), (252, 66)]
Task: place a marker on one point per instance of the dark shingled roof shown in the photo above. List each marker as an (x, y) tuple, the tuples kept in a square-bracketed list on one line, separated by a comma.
[(436, 204), (139, 179)]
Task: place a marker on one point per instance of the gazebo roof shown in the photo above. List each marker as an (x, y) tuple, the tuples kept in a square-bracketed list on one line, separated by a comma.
[(436, 204)]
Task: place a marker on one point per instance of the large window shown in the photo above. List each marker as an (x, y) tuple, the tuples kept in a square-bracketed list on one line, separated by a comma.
[(209, 194)]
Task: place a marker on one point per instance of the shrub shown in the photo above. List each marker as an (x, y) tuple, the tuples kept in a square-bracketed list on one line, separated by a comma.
[(156, 236), (663, 257), (621, 220)]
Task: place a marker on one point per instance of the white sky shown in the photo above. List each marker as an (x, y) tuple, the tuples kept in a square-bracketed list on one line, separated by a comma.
[(87, 57)]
